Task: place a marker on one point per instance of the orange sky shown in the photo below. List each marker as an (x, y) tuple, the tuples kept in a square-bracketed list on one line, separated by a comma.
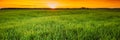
[(60, 3)]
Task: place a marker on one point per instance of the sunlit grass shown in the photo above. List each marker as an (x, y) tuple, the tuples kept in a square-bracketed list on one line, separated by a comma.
[(59, 25)]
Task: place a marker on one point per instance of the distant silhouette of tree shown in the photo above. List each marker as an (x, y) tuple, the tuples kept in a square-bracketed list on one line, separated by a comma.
[(83, 7)]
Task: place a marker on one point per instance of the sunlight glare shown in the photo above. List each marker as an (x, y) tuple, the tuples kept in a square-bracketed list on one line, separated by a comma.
[(53, 6)]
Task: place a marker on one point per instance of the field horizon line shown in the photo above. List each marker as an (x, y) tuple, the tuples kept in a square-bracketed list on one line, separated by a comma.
[(59, 8)]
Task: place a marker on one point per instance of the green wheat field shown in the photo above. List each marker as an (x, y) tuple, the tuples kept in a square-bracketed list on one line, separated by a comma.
[(81, 24)]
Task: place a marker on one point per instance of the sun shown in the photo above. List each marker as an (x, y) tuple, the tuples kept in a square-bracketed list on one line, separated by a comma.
[(53, 6)]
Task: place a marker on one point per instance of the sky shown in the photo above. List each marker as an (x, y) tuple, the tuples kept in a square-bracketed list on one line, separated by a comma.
[(59, 3)]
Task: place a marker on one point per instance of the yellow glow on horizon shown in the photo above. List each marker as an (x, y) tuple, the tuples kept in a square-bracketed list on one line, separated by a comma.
[(59, 3)]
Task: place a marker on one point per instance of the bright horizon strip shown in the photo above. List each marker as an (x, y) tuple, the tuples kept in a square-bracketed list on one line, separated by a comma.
[(59, 3)]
